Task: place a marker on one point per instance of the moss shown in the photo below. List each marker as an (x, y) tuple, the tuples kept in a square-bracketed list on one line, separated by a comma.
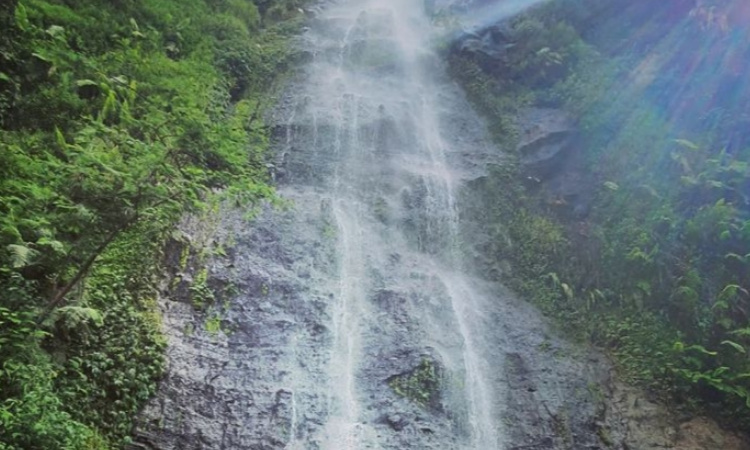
[(381, 210), (184, 257), (201, 295), (213, 325), (329, 231), (604, 435), (561, 425)]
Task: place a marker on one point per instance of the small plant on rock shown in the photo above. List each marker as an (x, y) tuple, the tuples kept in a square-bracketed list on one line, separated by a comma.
[(420, 385)]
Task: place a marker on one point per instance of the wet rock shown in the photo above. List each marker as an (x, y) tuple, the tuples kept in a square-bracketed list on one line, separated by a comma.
[(552, 163), (546, 139), (396, 422), (421, 385), (636, 422), (701, 433), (488, 46)]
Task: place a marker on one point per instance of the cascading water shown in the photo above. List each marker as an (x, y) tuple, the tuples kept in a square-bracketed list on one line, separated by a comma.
[(371, 110)]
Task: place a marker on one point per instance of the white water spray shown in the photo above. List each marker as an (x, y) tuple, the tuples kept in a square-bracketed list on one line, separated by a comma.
[(374, 100)]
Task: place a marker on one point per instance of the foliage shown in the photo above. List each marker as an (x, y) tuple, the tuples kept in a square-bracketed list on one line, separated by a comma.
[(421, 385), (31, 414), (201, 294), (659, 272), (115, 119)]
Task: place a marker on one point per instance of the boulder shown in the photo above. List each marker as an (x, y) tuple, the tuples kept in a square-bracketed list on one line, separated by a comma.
[(546, 138)]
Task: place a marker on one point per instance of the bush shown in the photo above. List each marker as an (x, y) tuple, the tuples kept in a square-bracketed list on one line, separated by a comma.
[(224, 27), (245, 10)]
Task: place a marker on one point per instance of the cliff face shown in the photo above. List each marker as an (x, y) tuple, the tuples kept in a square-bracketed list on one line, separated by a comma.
[(351, 318)]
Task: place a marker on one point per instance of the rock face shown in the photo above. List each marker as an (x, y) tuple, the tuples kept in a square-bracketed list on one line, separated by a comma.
[(346, 319), (488, 46), (228, 384), (550, 159), (546, 140), (642, 424)]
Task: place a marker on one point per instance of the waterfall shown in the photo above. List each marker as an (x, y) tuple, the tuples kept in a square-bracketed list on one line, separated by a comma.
[(369, 142), (350, 316), (355, 321)]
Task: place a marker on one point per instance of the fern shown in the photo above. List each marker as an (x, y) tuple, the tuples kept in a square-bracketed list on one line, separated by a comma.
[(21, 256), (73, 317), (60, 139)]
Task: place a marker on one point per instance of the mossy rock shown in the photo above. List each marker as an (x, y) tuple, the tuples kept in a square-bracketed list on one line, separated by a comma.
[(422, 385)]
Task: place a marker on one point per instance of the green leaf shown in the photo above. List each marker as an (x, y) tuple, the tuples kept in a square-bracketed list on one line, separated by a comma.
[(555, 279), (86, 82), (76, 316), (120, 79), (644, 286), (42, 57), (56, 246), (735, 346), (720, 371), (687, 144), (740, 258), (680, 348), (60, 139), (55, 31), (731, 290), (21, 256), (702, 349), (10, 233), (689, 180), (22, 18), (612, 186), (568, 291)]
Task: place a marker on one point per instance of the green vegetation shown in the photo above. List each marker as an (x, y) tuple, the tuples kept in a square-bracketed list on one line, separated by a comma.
[(421, 385), (659, 271), (116, 118), (200, 294), (213, 325)]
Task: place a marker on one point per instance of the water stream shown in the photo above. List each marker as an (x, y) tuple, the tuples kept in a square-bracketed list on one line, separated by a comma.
[(373, 98)]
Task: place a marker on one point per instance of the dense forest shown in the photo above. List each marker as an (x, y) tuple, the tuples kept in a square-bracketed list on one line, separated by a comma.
[(116, 118), (655, 267)]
